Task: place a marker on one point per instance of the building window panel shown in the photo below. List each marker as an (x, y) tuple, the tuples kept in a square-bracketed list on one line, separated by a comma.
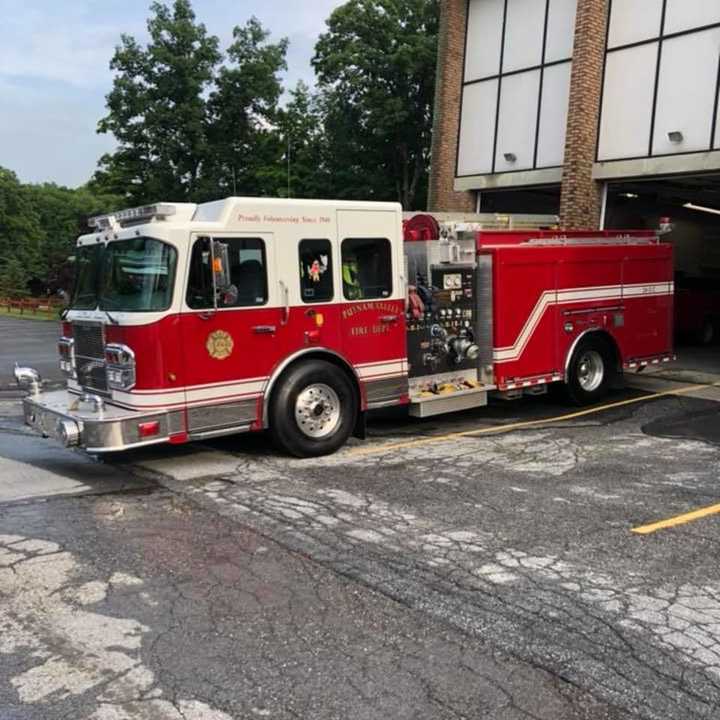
[(511, 45), (477, 128), (484, 38), (688, 14), (686, 92), (517, 122), (553, 115), (524, 30), (632, 21), (560, 30), (627, 102)]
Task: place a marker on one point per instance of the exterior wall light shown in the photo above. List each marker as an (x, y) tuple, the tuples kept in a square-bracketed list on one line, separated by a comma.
[(510, 157), (675, 136)]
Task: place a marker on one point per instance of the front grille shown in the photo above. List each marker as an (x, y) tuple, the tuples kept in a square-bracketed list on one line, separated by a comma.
[(90, 355)]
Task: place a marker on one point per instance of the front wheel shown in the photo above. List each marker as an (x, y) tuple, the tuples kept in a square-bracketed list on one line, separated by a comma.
[(314, 409), (590, 372)]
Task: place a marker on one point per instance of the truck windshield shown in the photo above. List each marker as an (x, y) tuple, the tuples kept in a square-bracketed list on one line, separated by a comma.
[(87, 272), (134, 275), (137, 275)]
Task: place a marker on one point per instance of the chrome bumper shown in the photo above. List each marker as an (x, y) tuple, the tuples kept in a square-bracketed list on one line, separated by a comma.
[(96, 427)]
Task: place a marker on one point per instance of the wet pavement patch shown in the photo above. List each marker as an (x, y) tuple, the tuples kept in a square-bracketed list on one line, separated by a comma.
[(700, 422)]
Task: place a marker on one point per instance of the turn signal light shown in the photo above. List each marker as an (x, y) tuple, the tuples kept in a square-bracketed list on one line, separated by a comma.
[(148, 429)]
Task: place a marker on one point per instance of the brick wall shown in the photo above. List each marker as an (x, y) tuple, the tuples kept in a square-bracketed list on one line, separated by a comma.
[(580, 204), (446, 122)]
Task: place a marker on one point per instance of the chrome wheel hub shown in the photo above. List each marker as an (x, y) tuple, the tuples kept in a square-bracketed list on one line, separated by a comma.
[(317, 411), (591, 371)]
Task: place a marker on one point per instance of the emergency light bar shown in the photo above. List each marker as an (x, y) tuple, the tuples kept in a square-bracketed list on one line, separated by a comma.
[(147, 212)]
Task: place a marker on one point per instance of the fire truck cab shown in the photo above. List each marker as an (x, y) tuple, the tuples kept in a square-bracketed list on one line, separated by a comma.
[(189, 322)]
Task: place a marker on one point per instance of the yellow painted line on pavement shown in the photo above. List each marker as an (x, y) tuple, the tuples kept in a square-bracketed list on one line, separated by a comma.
[(677, 520), (500, 429)]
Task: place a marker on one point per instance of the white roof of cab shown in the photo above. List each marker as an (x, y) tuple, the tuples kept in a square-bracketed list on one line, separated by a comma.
[(220, 210)]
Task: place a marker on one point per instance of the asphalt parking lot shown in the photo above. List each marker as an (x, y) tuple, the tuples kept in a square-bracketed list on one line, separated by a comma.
[(481, 565), (28, 342)]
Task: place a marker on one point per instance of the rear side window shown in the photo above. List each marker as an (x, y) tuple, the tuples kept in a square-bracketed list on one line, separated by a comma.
[(366, 268), (316, 274), (248, 274)]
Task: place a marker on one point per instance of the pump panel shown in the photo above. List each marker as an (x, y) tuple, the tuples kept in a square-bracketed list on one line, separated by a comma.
[(442, 322)]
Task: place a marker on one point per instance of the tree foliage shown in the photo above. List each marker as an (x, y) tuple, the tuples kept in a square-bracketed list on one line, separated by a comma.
[(194, 125), (190, 127), (244, 146), (376, 67), (39, 225)]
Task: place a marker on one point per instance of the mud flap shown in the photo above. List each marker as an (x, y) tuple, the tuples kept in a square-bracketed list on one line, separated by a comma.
[(360, 431)]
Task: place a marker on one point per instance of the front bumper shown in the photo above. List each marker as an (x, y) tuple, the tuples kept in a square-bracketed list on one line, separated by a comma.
[(66, 417)]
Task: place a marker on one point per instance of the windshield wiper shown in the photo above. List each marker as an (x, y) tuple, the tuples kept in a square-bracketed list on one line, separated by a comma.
[(111, 318)]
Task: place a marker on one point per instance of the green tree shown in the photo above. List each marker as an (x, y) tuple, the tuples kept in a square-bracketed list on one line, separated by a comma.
[(14, 279), (244, 149), (39, 225), (62, 214), (157, 108), (376, 68), (302, 172), (21, 233)]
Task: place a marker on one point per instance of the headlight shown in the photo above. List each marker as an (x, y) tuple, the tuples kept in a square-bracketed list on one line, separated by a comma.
[(66, 350), (120, 367)]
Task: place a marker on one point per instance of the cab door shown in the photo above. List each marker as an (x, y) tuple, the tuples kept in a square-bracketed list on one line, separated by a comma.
[(373, 296), (229, 336)]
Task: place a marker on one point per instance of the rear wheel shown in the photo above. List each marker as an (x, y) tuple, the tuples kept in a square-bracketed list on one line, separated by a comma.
[(590, 371), (313, 411)]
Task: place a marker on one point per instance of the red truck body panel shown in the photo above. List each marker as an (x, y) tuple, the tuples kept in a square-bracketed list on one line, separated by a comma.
[(546, 296)]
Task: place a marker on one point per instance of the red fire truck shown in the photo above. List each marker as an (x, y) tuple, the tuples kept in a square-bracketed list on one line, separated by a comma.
[(189, 322)]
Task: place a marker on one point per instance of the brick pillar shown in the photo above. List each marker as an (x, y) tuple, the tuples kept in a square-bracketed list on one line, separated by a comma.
[(580, 203), (446, 120)]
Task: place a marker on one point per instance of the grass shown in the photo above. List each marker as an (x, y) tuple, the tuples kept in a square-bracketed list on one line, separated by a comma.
[(40, 315)]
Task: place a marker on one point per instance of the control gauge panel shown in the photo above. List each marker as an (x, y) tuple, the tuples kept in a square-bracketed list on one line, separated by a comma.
[(441, 321)]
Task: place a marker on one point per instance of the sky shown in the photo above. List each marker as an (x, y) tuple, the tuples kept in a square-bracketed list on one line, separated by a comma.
[(54, 71)]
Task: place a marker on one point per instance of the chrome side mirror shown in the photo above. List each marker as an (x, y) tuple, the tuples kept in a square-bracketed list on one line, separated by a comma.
[(28, 379)]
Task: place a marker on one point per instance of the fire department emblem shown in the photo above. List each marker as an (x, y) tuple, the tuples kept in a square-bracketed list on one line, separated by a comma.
[(219, 345)]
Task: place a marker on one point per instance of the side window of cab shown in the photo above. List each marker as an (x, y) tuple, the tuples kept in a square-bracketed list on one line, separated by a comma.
[(366, 268), (316, 271), (246, 274)]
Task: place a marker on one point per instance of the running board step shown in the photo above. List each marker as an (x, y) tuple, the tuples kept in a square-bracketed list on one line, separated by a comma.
[(440, 404)]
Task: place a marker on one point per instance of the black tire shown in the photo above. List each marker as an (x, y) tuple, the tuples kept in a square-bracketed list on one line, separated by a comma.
[(293, 422), (583, 387)]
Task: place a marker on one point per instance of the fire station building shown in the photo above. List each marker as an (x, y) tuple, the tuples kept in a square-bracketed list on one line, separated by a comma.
[(604, 112)]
